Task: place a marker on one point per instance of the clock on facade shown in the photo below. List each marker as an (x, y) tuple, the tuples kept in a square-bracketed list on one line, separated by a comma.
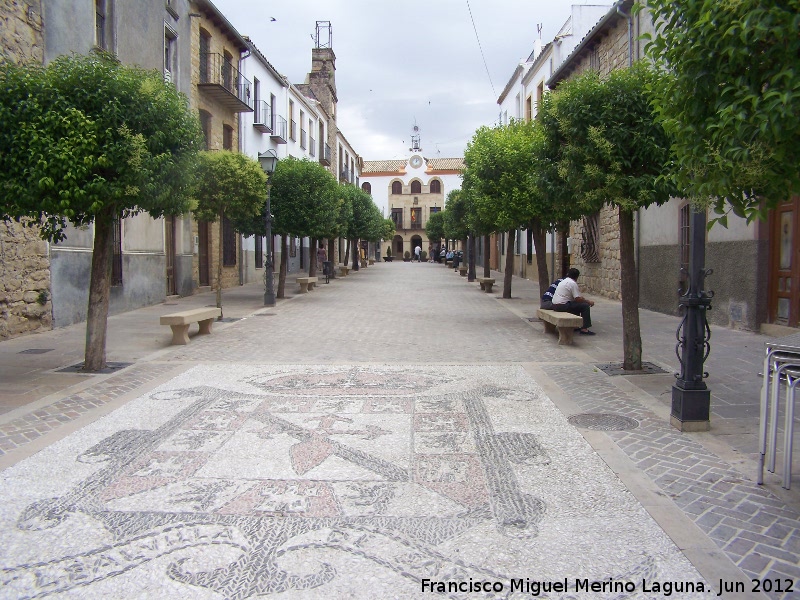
[(416, 161)]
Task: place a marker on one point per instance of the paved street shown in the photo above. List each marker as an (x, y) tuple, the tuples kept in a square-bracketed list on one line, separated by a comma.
[(395, 434)]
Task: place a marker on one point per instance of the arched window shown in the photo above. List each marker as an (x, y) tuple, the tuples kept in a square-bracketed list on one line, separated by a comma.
[(397, 187), (416, 187), (436, 187), (366, 187)]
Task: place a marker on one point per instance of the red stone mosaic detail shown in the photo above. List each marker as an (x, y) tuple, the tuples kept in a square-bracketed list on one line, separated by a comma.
[(307, 455), (285, 498), (154, 470), (440, 422), (216, 420), (456, 476)]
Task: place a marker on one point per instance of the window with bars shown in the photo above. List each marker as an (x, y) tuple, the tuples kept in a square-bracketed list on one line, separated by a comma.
[(100, 24), (590, 243), (228, 243), (397, 218), (259, 252), (116, 258)]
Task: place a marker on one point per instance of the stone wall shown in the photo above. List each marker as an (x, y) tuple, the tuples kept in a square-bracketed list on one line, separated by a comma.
[(25, 304), (24, 281), (602, 277), (21, 38)]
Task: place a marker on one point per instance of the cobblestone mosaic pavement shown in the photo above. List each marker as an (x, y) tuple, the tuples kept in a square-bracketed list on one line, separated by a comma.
[(238, 480)]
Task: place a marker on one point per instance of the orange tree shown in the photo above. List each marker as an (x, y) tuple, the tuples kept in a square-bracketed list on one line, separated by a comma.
[(88, 141)]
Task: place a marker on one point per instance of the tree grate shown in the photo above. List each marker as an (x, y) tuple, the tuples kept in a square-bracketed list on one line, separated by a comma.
[(111, 367), (648, 368), (603, 421)]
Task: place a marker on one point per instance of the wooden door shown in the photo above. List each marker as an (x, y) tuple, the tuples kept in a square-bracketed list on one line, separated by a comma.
[(784, 272), (203, 253)]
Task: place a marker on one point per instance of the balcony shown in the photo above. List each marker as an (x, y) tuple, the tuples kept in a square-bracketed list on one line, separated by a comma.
[(325, 155), (303, 138), (279, 130), (223, 82), (312, 145), (262, 117), (293, 130)]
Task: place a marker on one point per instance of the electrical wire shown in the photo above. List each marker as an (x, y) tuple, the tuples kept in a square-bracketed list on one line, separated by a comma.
[(481, 49)]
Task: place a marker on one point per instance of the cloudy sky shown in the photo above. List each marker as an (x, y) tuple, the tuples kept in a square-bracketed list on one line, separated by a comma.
[(400, 62)]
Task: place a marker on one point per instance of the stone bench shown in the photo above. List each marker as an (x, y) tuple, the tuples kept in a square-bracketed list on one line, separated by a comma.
[(563, 321), (462, 270), (486, 284), (371, 261), (344, 270), (388, 258), (448, 263), (180, 321), (306, 283)]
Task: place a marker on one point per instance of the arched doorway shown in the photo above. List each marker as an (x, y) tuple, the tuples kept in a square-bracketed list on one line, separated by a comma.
[(415, 241), (397, 246)]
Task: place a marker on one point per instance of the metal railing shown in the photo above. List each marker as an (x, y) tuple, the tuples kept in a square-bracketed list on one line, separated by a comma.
[(312, 146), (216, 69), (262, 116), (279, 127), (303, 138), (325, 156)]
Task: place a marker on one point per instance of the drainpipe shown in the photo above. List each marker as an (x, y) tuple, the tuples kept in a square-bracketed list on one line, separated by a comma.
[(629, 18), (242, 149)]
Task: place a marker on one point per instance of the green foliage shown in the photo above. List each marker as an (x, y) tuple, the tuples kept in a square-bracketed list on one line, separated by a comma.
[(233, 184), (456, 226), (388, 229), (88, 138), (304, 199), (609, 149), (364, 220), (497, 179), (434, 229), (731, 102)]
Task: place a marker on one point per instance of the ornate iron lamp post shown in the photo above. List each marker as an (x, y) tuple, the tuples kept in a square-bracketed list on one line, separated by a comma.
[(268, 160), (691, 398)]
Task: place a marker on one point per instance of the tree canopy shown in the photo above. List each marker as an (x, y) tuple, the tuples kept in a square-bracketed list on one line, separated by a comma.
[(731, 99), (304, 198), (87, 138), (434, 228), (232, 184)]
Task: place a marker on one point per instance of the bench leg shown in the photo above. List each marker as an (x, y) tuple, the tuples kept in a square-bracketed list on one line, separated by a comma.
[(565, 336), (311, 285), (304, 288), (488, 287), (180, 334), (549, 327), (481, 284), (205, 326)]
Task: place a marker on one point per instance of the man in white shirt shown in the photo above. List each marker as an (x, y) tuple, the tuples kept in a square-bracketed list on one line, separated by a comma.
[(567, 298), (417, 250)]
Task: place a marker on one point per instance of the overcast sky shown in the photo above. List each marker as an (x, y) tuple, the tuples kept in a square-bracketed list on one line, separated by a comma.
[(401, 62)]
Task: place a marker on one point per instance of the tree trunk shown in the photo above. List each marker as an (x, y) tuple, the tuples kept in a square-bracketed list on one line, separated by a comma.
[(539, 236), (284, 268), (487, 266), (346, 252), (509, 272), (312, 260), (631, 334), (219, 266), (356, 254), (331, 249), (99, 290), (471, 254), (564, 251)]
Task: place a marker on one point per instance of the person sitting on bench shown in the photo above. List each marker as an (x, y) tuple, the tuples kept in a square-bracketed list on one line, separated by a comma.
[(547, 297), (567, 298)]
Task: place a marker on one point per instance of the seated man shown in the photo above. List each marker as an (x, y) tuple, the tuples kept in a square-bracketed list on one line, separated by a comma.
[(547, 297), (567, 298)]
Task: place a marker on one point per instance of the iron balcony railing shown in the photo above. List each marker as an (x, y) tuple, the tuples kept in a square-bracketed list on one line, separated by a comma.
[(312, 146), (325, 155), (279, 129), (303, 138), (293, 130), (224, 81), (262, 119)]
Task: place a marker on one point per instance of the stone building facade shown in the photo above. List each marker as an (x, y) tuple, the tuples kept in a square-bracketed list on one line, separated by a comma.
[(25, 299)]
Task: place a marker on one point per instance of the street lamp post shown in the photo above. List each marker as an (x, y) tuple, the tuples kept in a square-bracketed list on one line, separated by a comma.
[(691, 398), (268, 160)]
